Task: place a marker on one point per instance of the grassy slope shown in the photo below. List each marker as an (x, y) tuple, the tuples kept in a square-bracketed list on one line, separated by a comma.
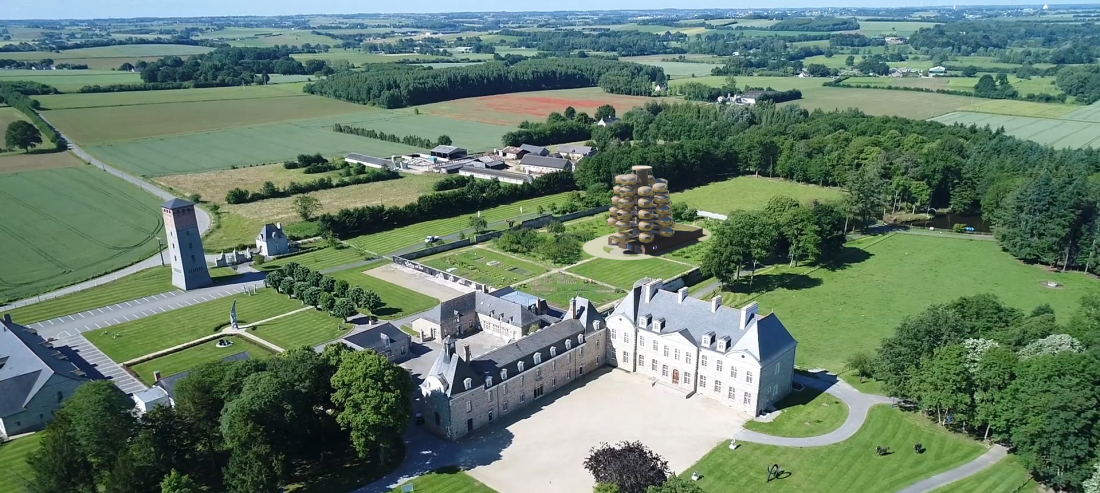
[(847, 466), (805, 414), (624, 273), (147, 282), (749, 192), (13, 462), (399, 301), (194, 356)]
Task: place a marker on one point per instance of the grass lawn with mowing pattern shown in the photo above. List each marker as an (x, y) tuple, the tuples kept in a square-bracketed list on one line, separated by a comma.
[(191, 357), (399, 301), (127, 341), (138, 285), (446, 481), (851, 465), (13, 461), (484, 265), (624, 273), (837, 313), (808, 413), (318, 259), (232, 230), (559, 287), (308, 328), (750, 192), (1006, 476)]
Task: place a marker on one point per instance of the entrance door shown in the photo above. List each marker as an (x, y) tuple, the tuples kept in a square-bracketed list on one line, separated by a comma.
[(675, 376), (469, 425)]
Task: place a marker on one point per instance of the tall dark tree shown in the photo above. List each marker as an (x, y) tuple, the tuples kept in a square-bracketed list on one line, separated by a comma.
[(59, 465), (630, 465), (23, 135), (373, 399)]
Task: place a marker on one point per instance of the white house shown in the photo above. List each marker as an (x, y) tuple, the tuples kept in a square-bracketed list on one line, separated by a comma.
[(575, 152), (272, 241), (539, 165), (603, 122)]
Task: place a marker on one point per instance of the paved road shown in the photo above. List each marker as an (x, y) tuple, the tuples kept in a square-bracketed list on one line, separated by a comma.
[(154, 261), (858, 406), (993, 456), (100, 363)]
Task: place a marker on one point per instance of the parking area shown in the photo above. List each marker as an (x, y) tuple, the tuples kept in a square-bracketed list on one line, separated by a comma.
[(542, 447), (418, 281)]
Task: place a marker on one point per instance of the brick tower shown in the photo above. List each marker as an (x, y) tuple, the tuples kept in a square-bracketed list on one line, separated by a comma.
[(185, 245)]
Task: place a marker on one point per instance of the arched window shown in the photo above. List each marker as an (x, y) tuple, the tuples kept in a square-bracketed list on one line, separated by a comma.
[(568, 344), (554, 352), (504, 374), (519, 366), (538, 358)]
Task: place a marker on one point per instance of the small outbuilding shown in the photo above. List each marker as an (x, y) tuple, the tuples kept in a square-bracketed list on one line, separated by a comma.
[(385, 339), (448, 152), (529, 149), (369, 161), (575, 152), (272, 241), (539, 165), (603, 122)]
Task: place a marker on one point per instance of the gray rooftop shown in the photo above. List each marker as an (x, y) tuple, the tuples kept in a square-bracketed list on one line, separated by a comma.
[(447, 149), (372, 337), (484, 304), (177, 203), (369, 159), (545, 162), (539, 150), (271, 231), (495, 173), (26, 362), (574, 149)]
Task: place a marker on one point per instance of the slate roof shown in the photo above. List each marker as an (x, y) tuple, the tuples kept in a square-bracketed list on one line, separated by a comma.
[(545, 162), (511, 150), (494, 173), (755, 94), (608, 120), (176, 203), (372, 337), (369, 159), (447, 149), (574, 149), (169, 383), (533, 149), (511, 294), (485, 304), (28, 362), (764, 337), (271, 231)]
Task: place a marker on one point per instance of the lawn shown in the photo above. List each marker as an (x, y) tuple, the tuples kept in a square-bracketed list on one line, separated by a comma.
[(139, 285), (835, 314), (484, 265), (389, 192), (191, 357), (9, 115), (17, 161), (511, 109), (1006, 476), (750, 192), (808, 413), (558, 288), (13, 461), (851, 465), (1059, 133), (232, 230), (131, 340), (387, 242), (624, 273), (308, 328), (47, 212), (318, 258), (111, 57), (445, 481), (138, 98), (69, 80), (399, 302)]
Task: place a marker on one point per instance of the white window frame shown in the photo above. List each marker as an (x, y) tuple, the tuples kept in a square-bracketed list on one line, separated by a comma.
[(703, 360), (665, 352), (641, 360), (717, 386), (702, 381), (718, 365), (664, 370), (748, 377)]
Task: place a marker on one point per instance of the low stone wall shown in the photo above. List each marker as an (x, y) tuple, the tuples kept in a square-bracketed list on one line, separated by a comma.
[(688, 279), (446, 276), (712, 215), (446, 247)]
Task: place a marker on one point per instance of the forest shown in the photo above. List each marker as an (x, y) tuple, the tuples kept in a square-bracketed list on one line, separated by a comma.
[(625, 43), (229, 66), (397, 86), (817, 24)]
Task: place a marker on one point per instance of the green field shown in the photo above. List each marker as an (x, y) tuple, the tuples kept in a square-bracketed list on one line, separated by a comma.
[(130, 340), (446, 481), (194, 356), (835, 314), (357, 57), (46, 213), (750, 192), (399, 302), (391, 241), (485, 266), (71, 80), (891, 28), (558, 288), (808, 413), (851, 465), (139, 285), (318, 259), (308, 328), (1035, 85), (1056, 132), (137, 98), (13, 461), (1006, 476), (624, 273), (111, 57)]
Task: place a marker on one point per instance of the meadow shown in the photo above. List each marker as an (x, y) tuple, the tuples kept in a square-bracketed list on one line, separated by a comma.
[(891, 28), (131, 340), (307, 328), (47, 212), (399, 302), (136, 98), (1055, 132), (13, 461), (847, 466), (558, 288), (111, 57), (808, 413), (837, 313), (356, 57), (750, 192), (484, 265), (71, 80), (624, 273), (317, 259), (194, 356), (511, 109), (17, 161), (138, 285), (387, 242), (1036, 85)]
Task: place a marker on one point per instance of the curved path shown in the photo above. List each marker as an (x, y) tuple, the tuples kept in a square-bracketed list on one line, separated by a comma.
[(992, 456), (203, 219)]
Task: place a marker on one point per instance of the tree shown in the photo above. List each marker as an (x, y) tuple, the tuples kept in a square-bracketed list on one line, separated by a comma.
[(631, 466), (1092, 484), (341, 289), (102, 422), (1052, 344), (850, 61), (306, 206), (370, 300), (356, 294), (328, 302), (328, 284), (969, 71), (863, 363), (175, 482), (570, 113), (344, 309), (373, 399), (944, 384), (312, 296), (59, 465), (606, 488), (995, 372), (478, 223), (315, 278), (443, 140), (605, 111), (916, 339), (286, 285), (23, 135)]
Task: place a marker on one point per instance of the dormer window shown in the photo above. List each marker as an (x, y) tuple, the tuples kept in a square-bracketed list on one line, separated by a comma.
[(580, 338), (488, 382), (519, 366), (538, 358), (468, 382), (568, 344), (504, 374), (554, 351)]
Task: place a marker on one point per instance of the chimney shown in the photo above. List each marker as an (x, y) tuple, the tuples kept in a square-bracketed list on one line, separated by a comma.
[(683, 293), (747, 313), (715, 303), (7, 317), (573, 308), (651, 288), (156, 376), (466, 352)]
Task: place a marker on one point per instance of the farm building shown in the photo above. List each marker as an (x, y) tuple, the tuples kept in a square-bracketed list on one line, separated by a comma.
[(501, 314), (449, 153), (495, 174), (510, 152), (384, 339), (35, 378), (748, 97), (369, 161), (272, 240), (575, 152), (536, 150), (539, 165), (937, 71), (607, 121)]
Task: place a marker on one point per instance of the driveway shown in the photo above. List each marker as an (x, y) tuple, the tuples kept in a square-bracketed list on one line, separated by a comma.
[(418, 281)]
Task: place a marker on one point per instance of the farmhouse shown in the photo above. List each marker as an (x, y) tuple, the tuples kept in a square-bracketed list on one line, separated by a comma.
[(449, 153), (539, 165), (735, 357), (748, 97), (463, 394), (272, 240), (508, 318), (937, 71), (163, 392), (384, 339), (575, 152), (495, 174), (369, 161), (35, 378), (610, 120)]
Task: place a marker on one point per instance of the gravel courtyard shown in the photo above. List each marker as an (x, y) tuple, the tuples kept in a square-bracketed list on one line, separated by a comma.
[(542, 447)]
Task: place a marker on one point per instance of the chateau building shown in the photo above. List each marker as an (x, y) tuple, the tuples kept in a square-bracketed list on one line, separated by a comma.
[(504, 314), (734, 356)]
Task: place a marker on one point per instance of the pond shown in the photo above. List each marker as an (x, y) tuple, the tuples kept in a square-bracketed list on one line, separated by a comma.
[(948, 221)]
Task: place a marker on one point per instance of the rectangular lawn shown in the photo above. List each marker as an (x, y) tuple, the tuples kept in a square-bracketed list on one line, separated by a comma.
[(558, 288), (399, 301), (624, 273), (195, 356), (750, 192), (318, 259), (307, 328), (139, 285), (484, 266), (127, 341), (13, 462), (446, 481)]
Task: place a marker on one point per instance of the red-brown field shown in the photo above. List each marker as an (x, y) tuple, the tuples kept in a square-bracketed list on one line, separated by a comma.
[(510, 109)]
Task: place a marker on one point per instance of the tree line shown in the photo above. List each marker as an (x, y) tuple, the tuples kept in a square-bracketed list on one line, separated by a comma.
[(12, 94), (230, 66), (475, 196), (396, 85), (336, 297), (252, 426), (409, 140), (625, 42), (995, 372), (569, 126), (816, 24), (356, 175)]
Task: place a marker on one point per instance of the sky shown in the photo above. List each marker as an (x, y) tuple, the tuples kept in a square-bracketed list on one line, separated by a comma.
[(86, 9)]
